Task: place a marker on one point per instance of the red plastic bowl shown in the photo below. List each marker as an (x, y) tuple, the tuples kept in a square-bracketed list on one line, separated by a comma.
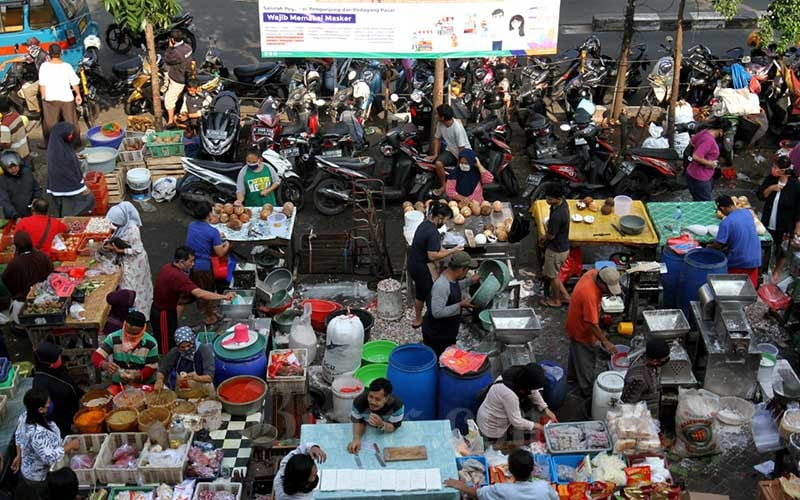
[(320, 309)]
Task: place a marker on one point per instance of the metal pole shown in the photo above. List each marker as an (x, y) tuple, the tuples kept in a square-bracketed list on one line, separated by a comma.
[(438, 91)]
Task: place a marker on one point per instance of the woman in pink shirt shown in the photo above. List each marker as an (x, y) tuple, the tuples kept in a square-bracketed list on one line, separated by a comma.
[(700, 171), (466, 182)]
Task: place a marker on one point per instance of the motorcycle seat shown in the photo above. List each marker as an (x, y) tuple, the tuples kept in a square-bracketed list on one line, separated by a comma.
[(337, 128), (567, 160), (175, 19), (292, 128), (219, 167), (360, 163), (203, 78), (126, 68), (663, 154), (251, 70)]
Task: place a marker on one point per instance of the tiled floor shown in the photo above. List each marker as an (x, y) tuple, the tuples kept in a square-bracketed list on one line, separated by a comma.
[(236, 449)]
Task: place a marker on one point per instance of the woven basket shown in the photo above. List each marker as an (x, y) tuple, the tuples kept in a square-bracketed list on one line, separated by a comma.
[(151, 415)]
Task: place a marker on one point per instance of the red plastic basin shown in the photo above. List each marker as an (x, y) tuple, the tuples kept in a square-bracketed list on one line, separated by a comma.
[(320, 309)]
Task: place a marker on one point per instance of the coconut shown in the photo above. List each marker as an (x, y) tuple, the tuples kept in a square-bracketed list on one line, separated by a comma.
[(214, 219), (264, 214), (409, 208), (223, 218), (218, 207), (475, 207), (485, 203), (235, 224), (244, 218), (502, 235), (452, 203), (458, 219), (419, 206), (228, 208), (466, 212), (497, 206), (408, 204), (288, 209), (486, 209), (238, 210)]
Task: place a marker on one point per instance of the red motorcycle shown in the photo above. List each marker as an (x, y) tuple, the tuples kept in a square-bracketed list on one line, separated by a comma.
[(267, 126)]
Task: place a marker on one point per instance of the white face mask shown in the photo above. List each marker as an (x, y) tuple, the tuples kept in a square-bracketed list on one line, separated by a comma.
[(464, 167)]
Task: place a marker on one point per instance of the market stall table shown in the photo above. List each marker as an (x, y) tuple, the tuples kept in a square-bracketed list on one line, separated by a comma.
[(79, 337), (434, 434), (703, 213), (257, 232)]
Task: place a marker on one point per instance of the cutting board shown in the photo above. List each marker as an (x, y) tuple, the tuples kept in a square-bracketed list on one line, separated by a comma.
[(404, 453)]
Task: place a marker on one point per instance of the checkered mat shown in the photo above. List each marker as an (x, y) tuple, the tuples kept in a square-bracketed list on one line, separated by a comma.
[(236, 450)]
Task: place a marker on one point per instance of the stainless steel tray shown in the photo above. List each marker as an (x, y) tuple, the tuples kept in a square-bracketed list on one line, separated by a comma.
[(594, 423), (515, 326), (240, 311), (666, 323), (732, 288)]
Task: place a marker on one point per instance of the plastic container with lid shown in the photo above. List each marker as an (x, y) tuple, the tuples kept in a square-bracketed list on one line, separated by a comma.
[(607, 391)]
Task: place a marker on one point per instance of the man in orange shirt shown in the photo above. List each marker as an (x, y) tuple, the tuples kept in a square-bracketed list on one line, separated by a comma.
[(583, 326)]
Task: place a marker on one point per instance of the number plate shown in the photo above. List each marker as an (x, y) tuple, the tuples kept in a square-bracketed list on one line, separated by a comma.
[(332, 153), (534, 179), (290, 152), (580, 141), (82, 24)]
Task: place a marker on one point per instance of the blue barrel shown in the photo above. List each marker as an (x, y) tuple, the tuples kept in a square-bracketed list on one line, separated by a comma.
[(669, 281), (555, 389), (251, 360), (457, 394), (697, 265), (412, 372)]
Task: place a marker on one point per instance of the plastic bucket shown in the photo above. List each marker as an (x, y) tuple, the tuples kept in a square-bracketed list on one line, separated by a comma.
[(368, 373), (276, 220), (607, 391), (619, 361), (622, 205), (100, 159), (345, 390), (377, 351), (697, 265), (412, 372), (555, 389), (391, 301), (457, 395), (320, 309), (669, 280), (138, 179), (98, 138)]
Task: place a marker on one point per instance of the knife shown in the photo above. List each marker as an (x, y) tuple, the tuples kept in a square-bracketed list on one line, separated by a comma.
[(378, 455), (358, 461)]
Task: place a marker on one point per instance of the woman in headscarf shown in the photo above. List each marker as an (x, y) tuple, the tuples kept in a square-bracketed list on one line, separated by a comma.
[(64, 176), (121, 302), (187, 365), (126, 242), (466, 182), (52, 375), (28, 267)]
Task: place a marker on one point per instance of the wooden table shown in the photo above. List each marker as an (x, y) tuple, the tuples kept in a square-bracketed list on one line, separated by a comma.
[(80, 338), (277, 242)]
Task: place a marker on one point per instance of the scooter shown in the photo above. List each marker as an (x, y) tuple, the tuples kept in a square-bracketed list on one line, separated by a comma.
[(215, 182), (400, 156), (266, 126), (488, 139), (99, 93), (220, 126), (121, 39), (257, 80)]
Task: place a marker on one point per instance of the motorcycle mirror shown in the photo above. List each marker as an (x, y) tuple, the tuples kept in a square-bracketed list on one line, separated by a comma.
[(565, 127), (394, 97), (668, 39)]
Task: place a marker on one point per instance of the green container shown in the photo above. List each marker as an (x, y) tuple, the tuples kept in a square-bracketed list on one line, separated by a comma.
[(172, 144), (368, 373), (486, 320), (377, 351)]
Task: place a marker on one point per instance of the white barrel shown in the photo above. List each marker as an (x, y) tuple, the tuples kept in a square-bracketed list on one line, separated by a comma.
[(138, 179), (390, 300), (607, 391), (344, 395)]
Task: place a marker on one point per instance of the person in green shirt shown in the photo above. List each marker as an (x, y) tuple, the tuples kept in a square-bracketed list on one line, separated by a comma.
[(129, 355), (257, 182)]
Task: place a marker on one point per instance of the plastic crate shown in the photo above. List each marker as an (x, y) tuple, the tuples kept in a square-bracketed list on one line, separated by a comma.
[(10, 386), (234, 489), (67, 255), (173, 146), (48, 319), (543, 461), (76, 225), (129, 156), (109, 475), (161, 474), (461, 460), (89, 443), (570, 460), (151, 488), (297, 384)]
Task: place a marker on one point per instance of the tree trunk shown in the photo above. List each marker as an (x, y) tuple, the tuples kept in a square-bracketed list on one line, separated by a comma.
[(676, 74), (438, 91), (156, 84), (627, 37)]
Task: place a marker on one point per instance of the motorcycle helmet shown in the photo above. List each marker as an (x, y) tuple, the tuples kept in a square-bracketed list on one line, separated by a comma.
[(91, 41), (164, 189), (592, 45), (502, 72), (311, 80), (9, 158), (479, 74), (493, 101)]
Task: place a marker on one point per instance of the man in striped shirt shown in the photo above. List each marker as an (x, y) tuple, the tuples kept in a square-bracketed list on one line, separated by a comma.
[(377, 408), (129, 355)]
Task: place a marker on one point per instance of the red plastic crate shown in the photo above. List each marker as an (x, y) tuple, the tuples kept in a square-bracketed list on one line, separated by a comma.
[(96, 181), (6, 241), (6, 257), (67, 255)]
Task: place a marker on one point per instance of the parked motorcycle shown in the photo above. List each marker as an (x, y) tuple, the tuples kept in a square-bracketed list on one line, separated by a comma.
[(402, 159), (488, 142), (220, 126), (257, 80), (336, 179), (266, 126), (121, 39), (215, 182), (99, 93)]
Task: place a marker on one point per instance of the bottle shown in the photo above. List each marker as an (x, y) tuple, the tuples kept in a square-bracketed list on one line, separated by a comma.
[(676, 217), (177, 433)]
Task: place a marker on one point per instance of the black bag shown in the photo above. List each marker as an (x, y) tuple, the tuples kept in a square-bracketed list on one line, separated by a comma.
[(520, 228)]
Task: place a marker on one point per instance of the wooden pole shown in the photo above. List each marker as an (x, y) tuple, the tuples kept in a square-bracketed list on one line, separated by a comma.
[(154, 80), (438, 91), (627, 38), (676, 74)]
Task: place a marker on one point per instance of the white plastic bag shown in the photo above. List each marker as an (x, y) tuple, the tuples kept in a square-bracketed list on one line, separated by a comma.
[(302, 335), (684, 112)]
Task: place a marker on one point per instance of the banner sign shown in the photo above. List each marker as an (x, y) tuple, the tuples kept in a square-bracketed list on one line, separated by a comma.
[(397, 29)]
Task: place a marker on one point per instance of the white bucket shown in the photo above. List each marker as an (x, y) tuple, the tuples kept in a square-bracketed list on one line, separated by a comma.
[(343, 401), (413, 219), (607, 391), (390, 300), (622, 205), (138, 179)]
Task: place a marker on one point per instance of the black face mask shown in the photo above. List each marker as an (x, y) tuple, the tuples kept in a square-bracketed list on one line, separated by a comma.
[(309, 486)]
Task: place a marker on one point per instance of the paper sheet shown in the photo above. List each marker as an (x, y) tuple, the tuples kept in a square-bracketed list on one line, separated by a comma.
[(345, 480), (433, 479), (371, 480), (418, 481), (327, 480), (403, 480), (388, 480)]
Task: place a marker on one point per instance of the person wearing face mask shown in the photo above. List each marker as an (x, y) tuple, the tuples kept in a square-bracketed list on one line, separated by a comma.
[(64, 175), (297, 475), (51, 374), (466, 182), (256, 183), (187, 364), (780, 192), (643, 379), (18, 186), (129, 355), (172, 281), (424, 253), (38, 444)]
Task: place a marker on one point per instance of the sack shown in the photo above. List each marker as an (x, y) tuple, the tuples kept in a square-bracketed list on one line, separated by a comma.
[(219, 266), (301, 334), (520, 228), (695, 423)]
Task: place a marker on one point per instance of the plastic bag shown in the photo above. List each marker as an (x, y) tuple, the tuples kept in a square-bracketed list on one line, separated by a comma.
[(302, 335), (495, 457), (81, 461), (695, 423)]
